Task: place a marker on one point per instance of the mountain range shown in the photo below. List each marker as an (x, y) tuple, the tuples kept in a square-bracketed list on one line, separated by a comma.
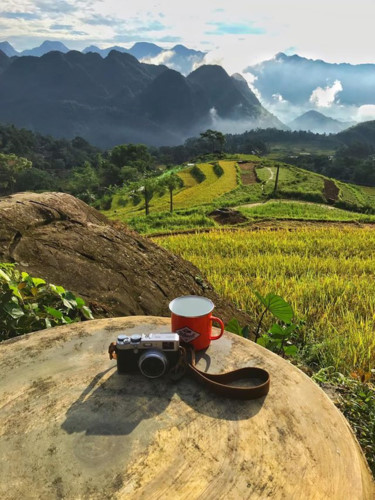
[(117, 99), (179, 57), (318, 123), (303, 82)]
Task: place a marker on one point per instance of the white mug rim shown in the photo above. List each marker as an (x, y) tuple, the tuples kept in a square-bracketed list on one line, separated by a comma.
[(212, 305)]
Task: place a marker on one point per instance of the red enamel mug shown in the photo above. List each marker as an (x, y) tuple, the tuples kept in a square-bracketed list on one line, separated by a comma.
[(192, 320)]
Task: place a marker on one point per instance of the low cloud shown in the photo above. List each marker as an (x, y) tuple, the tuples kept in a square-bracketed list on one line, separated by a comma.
[(366, 113), (162, 58), (324, 98), (278, 98)]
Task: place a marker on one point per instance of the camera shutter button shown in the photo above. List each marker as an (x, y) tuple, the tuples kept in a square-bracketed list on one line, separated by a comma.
[(134, 339)]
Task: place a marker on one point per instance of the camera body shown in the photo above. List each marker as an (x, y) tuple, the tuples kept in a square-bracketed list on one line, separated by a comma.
[(152, 354)]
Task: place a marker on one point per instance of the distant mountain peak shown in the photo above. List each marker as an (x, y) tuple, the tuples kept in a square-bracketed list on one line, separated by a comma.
[(316, 122), (7, 48), (46, 46)]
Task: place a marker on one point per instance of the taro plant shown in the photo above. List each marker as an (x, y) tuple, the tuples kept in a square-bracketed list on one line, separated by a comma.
[(28, 304), (279, 336)]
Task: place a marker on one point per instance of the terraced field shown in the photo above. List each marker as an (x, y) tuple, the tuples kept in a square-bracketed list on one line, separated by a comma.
[(191, 194)]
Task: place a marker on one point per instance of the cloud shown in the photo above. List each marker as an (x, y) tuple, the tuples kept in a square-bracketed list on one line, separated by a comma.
[(68, 27), (324, 98), (162, 58), (222, 28), (366, 113), (278, 98), (28, 16), (56, 6), (99, 20)]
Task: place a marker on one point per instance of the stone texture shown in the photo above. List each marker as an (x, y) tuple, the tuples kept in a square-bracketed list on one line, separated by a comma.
[(61, 239)]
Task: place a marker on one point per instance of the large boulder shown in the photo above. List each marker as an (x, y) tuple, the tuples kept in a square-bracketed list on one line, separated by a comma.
[(61, 239)]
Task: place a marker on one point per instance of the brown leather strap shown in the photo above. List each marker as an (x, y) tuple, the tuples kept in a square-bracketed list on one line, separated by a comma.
[(259, 377), (112, 350)]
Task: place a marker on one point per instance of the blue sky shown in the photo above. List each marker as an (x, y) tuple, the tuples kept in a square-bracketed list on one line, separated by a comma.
[(236, 33)]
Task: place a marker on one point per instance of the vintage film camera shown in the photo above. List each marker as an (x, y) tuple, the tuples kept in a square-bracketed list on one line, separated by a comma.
[(152, 354)]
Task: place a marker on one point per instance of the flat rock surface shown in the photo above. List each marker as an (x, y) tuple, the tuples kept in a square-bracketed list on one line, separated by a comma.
[(71, 427), (61, 239)]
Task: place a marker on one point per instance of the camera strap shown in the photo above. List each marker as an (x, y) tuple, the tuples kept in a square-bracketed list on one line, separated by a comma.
[(258, 379)]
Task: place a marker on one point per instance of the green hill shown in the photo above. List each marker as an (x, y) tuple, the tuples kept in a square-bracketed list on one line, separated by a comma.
[(246, 180)]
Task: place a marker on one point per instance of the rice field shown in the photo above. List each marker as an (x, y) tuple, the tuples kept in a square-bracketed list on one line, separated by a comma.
[(191, 194), (326, 273)]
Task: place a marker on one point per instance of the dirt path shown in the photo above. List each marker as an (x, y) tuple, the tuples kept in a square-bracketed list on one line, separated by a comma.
[(300, 202), (331, 191), (271, 174), (248, 175)]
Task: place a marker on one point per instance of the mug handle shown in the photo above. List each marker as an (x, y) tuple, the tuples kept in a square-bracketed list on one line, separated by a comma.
[(213, 318)]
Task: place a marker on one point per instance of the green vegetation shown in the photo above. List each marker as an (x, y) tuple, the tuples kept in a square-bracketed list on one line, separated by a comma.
[(283, 209), (325, 273), (218, 169), (197, 173), (28, 304), (165, 222)]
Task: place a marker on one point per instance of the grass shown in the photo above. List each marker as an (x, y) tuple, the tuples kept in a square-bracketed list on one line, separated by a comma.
[(327, 274), (281, 209), (168, 222)]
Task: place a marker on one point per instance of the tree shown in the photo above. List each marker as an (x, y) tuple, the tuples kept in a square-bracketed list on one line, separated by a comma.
[(173, 182), (277, 178), (10, 167), (213, 136), (148, 190), (132, 155)]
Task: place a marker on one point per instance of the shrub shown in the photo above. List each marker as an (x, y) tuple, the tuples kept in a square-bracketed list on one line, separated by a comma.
[(218, 169), (28, 304), (197, 173)]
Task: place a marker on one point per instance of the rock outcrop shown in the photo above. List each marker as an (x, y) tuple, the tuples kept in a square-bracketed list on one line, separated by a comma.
[(61, 239)]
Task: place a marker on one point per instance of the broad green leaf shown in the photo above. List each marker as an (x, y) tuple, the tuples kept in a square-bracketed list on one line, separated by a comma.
[(4, 276), (263, 341), (277, 329), (24, 276), (14, 310), (246, 332), (277, 332), (67, 303), (58, 289), (38, 281), (80, 302), (54, 312), (290, 350), (278, 307), (87, 313), (234, 327), (15, 291)]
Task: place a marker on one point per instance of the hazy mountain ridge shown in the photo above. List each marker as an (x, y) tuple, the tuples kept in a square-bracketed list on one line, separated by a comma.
[(118, 99), (295, 78), (319, 123), (178, 57)]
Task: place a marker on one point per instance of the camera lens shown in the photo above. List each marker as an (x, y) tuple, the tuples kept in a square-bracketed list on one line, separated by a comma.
[(153, 363)]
